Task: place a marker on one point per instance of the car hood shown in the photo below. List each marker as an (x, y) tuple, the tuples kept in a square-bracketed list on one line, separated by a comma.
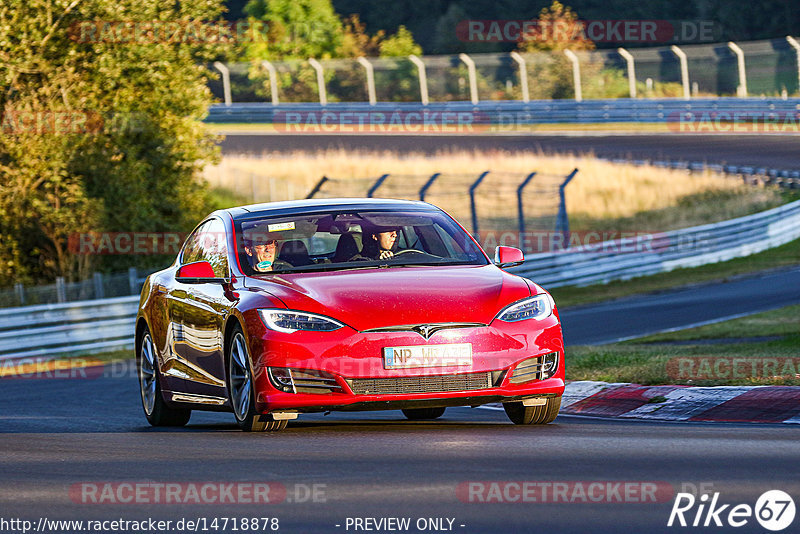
[(381, 297)]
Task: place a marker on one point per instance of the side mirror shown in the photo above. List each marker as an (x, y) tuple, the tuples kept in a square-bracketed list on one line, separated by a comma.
[(198, 272), (508, 257)]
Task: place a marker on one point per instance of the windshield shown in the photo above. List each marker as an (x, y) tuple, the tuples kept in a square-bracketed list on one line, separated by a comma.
[(347, 239)]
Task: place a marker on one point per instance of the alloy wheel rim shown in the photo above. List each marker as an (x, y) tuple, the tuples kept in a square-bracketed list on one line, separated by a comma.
[(240, 378), (147, 375)]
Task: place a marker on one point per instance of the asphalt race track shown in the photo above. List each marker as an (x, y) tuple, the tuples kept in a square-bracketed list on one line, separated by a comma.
[(67, 441), (60, 434), (774, 151)]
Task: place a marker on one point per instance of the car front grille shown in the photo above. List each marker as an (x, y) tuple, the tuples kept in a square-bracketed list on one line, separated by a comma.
[(527, 371), (307, 381), (420, 384)]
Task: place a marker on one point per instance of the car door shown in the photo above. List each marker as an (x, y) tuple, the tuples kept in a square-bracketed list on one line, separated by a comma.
[(199, 311)]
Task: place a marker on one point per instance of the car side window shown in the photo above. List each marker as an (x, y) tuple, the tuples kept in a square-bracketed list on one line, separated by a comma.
[(214, 248), (192, 251), (209, 244)]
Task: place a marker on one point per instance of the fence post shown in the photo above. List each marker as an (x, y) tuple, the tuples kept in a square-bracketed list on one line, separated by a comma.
[(424, 188), (576, 74), (423, 78), (226, 81), (472, 205), (684, 70), (19, 289), (370, 80), (323, 96), (97, 278), (741, 90), (520, 209), (631, 71), (317, 187), (794, 44), (473, 78), (273, 81), (133, 281), (523, 75), (562, 219), (61, 290), (376, 185)]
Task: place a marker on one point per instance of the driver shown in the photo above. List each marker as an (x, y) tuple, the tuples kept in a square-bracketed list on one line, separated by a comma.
[(261, 249), (379, 244)]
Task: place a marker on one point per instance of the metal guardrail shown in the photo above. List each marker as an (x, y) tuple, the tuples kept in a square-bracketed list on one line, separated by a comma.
[(510, 114), (645, 255), (94, 326), (52, 330), (99, 286)]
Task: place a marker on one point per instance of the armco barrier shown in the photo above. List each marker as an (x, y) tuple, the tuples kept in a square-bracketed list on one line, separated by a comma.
[(508, 114), (53, 330), (102, 325), (690, 247)]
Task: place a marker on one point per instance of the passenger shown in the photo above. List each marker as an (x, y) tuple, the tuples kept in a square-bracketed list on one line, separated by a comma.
[(379, 244)]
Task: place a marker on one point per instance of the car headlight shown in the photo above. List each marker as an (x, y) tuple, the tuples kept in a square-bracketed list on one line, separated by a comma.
[(538, 307), (291, 321)]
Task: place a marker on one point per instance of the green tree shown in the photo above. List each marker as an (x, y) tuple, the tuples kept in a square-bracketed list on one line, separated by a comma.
[(100, 127), (550, 72), (296, 29), (302, 29)]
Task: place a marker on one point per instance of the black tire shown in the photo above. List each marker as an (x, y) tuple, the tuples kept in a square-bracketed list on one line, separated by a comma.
[(533, 415), (155, 408), (241, 393), (420, 414)]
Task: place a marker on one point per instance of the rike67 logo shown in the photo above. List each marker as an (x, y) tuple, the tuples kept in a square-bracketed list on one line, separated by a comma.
[(774, 510)]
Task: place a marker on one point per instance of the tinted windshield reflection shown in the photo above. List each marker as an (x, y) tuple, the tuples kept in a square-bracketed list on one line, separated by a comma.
[(353, 239)]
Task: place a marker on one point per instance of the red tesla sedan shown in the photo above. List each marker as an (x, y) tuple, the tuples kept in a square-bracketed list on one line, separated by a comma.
[(275, 310)]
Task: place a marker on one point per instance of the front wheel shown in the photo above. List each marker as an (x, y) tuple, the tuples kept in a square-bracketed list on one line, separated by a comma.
[(421, 414), (241, 391), (533, 415), (155, 409)]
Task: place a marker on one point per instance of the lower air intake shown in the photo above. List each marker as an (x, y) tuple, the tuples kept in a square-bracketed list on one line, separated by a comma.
[(420, 384)]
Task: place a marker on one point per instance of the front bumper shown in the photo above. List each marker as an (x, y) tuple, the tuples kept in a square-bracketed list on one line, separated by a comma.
[(309, 403), (354, 360)]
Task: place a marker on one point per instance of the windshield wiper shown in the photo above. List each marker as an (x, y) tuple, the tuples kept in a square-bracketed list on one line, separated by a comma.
[(322, 268)]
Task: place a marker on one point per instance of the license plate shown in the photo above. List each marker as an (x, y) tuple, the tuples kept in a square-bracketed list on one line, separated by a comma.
[(445, 355)]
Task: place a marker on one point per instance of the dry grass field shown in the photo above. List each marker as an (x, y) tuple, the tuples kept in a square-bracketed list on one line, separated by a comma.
[(603, 195)]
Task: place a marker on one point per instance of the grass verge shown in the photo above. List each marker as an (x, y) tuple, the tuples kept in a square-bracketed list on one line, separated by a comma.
[(760, 349)]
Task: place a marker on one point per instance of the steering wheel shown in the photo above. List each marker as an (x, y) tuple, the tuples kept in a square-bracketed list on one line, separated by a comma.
[(415, 251)]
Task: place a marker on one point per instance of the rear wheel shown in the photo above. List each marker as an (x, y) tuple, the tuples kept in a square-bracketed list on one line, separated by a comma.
[(533, 415), (241, 391), (420, 414), (155, 409)]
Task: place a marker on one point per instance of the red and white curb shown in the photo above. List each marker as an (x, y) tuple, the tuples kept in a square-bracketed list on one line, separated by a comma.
[(747, 404)]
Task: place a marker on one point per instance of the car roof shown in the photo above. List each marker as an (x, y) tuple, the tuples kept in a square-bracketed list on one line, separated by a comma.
[(321, 204)]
